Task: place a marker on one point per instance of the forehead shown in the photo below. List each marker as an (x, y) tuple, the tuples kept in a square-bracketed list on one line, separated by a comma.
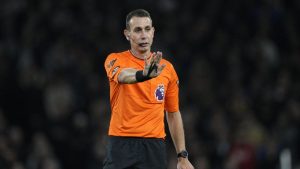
[(140, 22)]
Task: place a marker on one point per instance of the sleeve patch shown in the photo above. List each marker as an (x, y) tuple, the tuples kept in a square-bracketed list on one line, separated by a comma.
[(111, 63), (115, 70)]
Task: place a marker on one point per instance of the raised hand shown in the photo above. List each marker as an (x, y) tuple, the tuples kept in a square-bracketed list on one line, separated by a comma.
[(153, 68)]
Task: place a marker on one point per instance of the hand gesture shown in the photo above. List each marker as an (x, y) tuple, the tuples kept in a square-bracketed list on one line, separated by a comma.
[(152, 67)]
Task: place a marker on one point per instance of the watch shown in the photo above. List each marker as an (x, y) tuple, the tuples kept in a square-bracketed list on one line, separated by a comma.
[(183, 154)]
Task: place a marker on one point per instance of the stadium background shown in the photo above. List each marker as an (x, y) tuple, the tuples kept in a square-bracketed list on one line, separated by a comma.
[(238, 62)]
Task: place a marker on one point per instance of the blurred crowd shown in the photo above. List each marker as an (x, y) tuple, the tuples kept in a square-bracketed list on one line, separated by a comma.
[(238, 64)]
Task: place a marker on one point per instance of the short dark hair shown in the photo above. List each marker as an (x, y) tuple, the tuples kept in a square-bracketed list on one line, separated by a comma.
[(137, 13)]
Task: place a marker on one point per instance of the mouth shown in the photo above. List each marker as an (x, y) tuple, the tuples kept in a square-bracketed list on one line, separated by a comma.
[(143, 44)]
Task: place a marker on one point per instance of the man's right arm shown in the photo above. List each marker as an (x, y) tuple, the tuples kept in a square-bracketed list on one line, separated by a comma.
[(127, 76), (152, 69)]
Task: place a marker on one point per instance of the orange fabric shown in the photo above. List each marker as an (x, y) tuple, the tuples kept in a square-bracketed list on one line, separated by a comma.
[(137, 110)]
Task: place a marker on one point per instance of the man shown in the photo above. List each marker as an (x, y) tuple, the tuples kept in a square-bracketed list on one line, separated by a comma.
[(142, 87)]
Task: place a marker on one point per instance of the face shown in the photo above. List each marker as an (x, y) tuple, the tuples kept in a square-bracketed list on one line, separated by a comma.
[(141, 34)]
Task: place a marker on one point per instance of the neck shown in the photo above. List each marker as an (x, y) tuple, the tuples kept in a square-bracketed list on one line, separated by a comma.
[(139, 55)]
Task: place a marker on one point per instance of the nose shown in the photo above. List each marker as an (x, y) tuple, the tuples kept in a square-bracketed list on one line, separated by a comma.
[(143, 34)]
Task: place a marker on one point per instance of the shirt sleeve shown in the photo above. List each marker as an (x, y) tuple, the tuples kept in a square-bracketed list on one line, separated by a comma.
[(172, 93), (113, 66)]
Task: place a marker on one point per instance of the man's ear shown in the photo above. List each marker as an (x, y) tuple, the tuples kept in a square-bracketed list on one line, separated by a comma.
[(127, 34)]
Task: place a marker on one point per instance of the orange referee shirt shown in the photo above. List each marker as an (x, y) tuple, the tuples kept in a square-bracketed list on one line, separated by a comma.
[(137, 110)]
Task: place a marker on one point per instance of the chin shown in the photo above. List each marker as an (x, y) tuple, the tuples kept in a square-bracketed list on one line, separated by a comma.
[(144, 49)]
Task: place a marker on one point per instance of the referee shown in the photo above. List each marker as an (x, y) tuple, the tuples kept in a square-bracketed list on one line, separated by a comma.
[(143, 86)]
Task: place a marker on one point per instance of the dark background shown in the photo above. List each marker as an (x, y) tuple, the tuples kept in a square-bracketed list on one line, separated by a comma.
[(238, 64)]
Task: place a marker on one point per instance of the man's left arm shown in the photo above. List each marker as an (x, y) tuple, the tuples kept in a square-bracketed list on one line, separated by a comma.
[(177, 133)]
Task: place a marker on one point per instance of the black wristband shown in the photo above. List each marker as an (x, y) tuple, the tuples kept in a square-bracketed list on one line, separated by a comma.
[(140, 77)]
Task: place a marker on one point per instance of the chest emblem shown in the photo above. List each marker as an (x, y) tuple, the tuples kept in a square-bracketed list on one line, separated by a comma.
[(160, 92)]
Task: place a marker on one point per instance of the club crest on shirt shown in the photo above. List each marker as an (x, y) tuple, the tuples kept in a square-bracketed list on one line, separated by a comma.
[(160, 92)]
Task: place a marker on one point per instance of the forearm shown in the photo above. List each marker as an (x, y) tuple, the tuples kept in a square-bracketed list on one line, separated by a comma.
[(176, 130), (127, 76), (130, 75)]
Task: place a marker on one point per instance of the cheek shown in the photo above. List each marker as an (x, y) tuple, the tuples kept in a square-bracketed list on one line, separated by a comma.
[(134, 39), (152, 35)]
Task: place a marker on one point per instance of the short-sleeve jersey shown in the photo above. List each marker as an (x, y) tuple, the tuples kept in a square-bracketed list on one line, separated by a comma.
[(137, 110)]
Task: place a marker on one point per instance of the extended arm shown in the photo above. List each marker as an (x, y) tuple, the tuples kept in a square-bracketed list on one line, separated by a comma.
[(151, 69), (128, 76), (177, 133)]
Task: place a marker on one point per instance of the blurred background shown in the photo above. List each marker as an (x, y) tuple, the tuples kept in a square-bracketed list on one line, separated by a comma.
[(238, 64)]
